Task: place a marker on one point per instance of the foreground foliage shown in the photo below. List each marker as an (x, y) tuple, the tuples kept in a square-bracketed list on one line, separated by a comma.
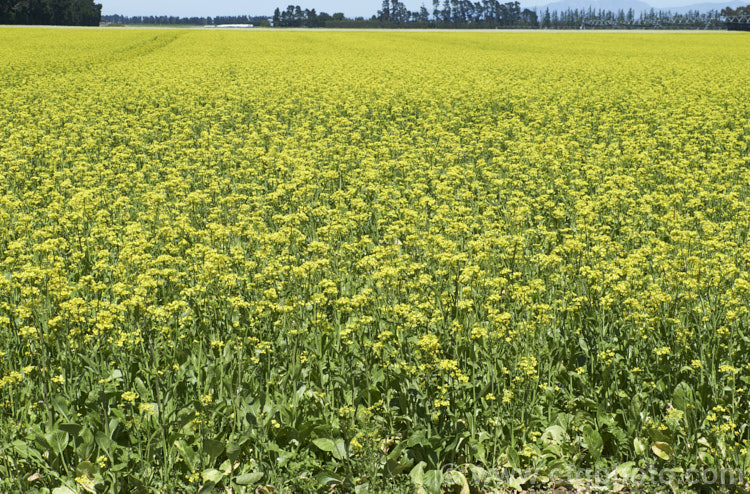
[(302, 260)]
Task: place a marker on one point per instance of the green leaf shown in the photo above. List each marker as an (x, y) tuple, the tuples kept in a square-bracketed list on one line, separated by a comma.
[(623, 470), (213, 448), (226, 467), (249, 478), (206, 487), (594, 441), (337, 448), (187, 454), (325, 444), (61, 406), (515, 483), (662, 450), (513, 458), (107, 445), (72, 429), (417, 474), (63, 489), (212, 475), (554, 434), (639, 445), (706, 458), (24, 450), (86, 468), (433, 481), (327, 479), (682, 396), (233, 451), (58, 440), (339, 451), (458, 479)]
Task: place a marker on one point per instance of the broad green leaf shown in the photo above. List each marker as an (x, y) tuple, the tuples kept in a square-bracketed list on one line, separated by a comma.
[(554, 434), (63, 489), (25, 451), (662, 450), (62, 407), (187, 453), (226, 467), (58, 440), (513, 458), (594, 441), (213, 448), (72, 429), (623, 470), (433, 481), (107, 445), (86, 468), (458, 479), (207, 487), (339, 450), (682, 396), (249, 478), (324, 444), (233, 451), (417, 473), (212, 475), (706, 458), (326, 478), (515, 483), (639, 445)]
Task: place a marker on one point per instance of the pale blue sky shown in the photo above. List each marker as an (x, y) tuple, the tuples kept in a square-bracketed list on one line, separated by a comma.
[(203, 8)]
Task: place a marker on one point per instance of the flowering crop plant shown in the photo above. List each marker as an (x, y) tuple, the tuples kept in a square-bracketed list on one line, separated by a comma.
[(372, 261)]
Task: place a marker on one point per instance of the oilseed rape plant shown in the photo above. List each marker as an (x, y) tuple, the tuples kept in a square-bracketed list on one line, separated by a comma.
[(342, 262)]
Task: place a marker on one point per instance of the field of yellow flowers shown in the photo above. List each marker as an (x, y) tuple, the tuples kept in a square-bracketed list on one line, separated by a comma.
[(372, 262)]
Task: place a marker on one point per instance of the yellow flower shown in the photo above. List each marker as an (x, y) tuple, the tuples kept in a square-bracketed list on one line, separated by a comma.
[(130, 396)]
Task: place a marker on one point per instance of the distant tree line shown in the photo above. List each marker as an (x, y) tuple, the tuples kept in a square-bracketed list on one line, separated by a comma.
[(295, 16), (193, 21), (465, 14), (738, 11), (652, 19), (51, 12), (460, 13), (495, 14), (737, 19), (453, 13)]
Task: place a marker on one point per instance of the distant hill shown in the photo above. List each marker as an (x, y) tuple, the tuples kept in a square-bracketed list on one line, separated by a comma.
[(705, 7), (636, 5), (614, 5)]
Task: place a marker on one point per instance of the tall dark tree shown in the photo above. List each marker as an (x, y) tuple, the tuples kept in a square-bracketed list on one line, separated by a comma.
[(56, 12), (384, 14)]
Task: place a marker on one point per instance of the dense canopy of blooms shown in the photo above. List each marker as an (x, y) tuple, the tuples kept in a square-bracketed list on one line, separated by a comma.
[(295, 259)]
